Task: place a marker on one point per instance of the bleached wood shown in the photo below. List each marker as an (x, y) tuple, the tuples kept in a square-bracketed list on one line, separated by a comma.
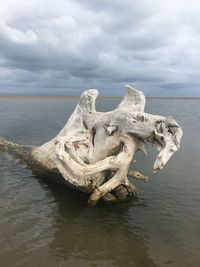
[(94, 149)]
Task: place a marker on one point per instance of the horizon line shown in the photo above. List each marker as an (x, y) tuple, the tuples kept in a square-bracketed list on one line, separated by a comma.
[(100, 96)]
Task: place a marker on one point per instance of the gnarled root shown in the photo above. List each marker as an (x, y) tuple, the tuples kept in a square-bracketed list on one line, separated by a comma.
[(94, 149), (113, 191), (70, 166)]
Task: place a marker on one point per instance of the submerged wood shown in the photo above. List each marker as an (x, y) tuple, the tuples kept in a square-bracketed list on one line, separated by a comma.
[(94, 149)]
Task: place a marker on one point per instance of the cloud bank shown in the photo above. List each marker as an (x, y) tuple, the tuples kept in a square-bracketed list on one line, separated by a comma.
[(65, 47)]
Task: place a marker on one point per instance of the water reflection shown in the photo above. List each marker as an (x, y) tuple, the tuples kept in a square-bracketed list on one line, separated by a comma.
[(99, 236)]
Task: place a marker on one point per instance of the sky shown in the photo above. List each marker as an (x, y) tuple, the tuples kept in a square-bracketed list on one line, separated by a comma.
[(64, 47)]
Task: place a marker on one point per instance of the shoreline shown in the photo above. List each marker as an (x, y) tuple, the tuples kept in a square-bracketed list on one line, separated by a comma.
[(76, 97)]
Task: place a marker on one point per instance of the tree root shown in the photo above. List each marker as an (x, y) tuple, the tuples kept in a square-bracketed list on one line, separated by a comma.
[(93, 151)]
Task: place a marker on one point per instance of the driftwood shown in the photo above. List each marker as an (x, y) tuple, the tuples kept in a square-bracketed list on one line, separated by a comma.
[(94, 149)]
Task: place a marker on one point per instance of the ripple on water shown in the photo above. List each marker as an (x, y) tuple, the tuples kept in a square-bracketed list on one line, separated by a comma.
[(43, 224)]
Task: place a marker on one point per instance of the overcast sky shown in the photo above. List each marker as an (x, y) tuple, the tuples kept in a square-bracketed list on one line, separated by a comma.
[(64, 47)]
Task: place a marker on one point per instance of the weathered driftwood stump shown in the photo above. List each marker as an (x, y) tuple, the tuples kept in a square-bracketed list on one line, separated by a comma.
[(94, 149)]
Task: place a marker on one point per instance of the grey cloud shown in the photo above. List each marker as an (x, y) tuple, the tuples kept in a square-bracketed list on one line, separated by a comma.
[(106, 44)]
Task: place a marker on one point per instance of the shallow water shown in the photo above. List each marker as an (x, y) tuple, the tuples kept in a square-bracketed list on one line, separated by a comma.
[(45, 224)]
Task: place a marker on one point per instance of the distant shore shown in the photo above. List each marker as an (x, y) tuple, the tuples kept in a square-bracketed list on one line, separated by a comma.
[(75, 97), (36, 96)]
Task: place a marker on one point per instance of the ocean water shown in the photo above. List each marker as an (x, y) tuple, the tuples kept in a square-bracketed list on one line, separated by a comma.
[(46, 224)]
